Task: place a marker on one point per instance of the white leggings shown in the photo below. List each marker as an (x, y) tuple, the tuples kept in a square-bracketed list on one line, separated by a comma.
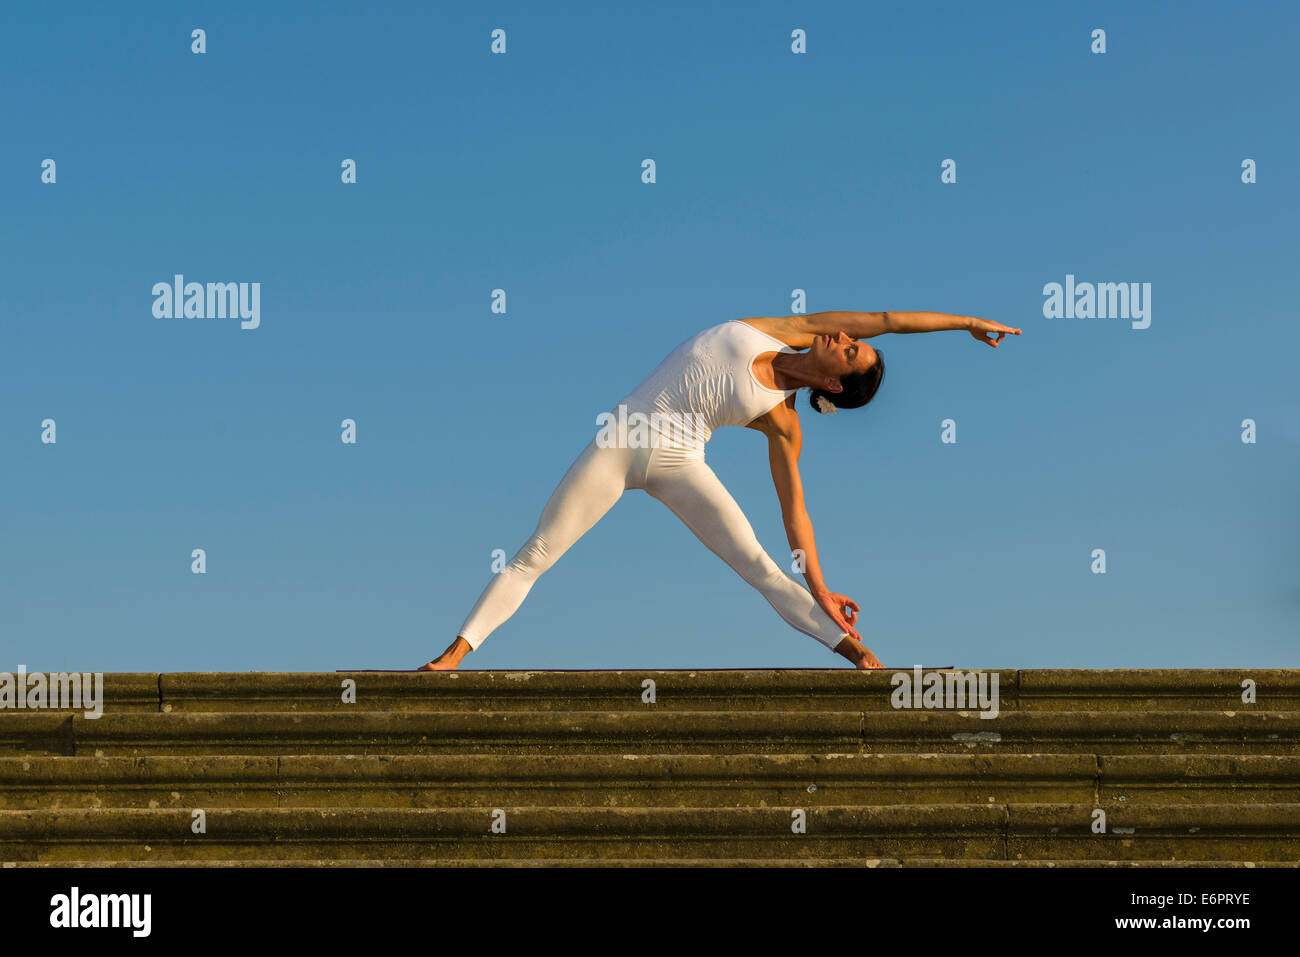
[(682, 481)]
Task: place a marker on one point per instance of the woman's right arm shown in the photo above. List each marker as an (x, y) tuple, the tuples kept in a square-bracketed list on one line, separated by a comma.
[(784, 438)]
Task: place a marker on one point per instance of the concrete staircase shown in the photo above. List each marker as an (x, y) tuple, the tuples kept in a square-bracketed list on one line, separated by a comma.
[(810, 768)]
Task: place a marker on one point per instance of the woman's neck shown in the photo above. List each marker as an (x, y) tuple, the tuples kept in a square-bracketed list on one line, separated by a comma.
[(793, 368)]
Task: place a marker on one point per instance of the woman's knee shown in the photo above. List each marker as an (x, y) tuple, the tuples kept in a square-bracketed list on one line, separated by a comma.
[(759, 570), (534, 558)]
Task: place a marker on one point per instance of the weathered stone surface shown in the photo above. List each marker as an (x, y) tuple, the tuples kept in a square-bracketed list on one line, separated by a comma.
[(497, 732), (742, 768), (788, 690), (571, 780), (1165, 689)]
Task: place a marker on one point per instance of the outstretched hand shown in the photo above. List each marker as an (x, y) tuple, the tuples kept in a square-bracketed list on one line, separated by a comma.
[(990, 332), (842, 609)]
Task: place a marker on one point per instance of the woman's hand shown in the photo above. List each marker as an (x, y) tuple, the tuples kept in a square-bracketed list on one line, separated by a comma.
[(842, 609), (985, 330)]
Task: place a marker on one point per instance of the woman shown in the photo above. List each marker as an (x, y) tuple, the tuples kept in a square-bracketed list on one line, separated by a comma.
[(743, 372)]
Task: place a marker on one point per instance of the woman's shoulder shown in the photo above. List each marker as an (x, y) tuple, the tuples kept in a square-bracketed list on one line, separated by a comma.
[(781, 328), (780, 421)]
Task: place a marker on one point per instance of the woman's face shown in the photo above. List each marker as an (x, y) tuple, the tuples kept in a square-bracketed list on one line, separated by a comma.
[(838, 355)]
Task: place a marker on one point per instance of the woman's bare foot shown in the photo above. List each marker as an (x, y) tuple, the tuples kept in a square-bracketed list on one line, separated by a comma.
[(859, 654), (450, 659)]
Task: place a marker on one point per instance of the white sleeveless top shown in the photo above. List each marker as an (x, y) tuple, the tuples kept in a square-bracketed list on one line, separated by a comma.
[(709, 378)]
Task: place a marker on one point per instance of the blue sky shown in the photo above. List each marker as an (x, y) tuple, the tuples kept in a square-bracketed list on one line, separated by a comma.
[(522, 171)]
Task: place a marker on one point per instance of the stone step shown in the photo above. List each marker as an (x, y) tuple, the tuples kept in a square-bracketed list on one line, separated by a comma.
[(831, 689), (650, 732), (1227, 832), (646, 862), (611, 780)]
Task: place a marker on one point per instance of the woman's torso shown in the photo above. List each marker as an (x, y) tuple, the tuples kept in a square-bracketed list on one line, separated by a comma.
[(708, 382)]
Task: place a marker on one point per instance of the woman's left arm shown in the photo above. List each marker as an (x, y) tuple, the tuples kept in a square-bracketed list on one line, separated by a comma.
[(985, 330), (800, 330), (784, 440)]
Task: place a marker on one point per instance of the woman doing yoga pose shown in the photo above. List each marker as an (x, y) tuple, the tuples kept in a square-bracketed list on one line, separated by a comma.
[(744, 372)]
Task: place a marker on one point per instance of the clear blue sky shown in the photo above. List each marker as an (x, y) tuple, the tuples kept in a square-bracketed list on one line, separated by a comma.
[(776, 171)]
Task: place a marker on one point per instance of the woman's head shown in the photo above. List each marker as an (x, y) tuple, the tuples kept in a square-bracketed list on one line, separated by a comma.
[(853, 370)]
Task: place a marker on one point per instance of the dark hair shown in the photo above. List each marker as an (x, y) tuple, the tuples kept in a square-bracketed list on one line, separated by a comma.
[(857, 388)]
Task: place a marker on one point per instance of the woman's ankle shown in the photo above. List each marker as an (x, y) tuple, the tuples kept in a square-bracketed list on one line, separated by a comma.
[(457, 650)]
